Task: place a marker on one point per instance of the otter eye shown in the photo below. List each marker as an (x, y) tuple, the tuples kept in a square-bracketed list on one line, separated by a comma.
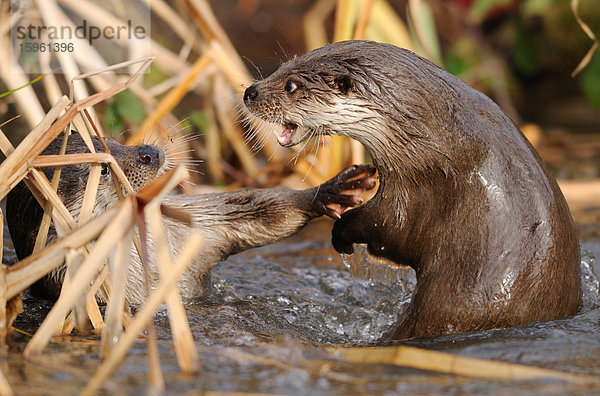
[(343, 84), (290, 87), (104, 171), (145, 159)]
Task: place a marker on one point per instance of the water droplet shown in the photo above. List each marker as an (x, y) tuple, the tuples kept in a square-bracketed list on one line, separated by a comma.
[(346, 261)]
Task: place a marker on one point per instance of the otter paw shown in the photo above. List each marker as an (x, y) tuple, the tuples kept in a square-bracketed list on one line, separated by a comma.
[(343, 191), (340, 241)]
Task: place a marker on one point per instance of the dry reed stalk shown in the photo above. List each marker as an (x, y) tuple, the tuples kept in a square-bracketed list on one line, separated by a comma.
[(344, 20), (5, 145), (63, 220), (42, 235), (145, 315), (202, 14), (170, 100), (1, 236), (53, 16), (60, 212), (422, 23), (589, 32), (165, 58), (31, 269), (15, 161), (145, 63), (224, 112), (73, 260), (314, 368), (113, 328), (239, 77), (442, 362), (91, 305), (155, 375), (4, 325), (5, 389), (388, 27), (363, 20), (50, 83), (313, 24), (239, 80), (47, 161), (182, 335), (175, 22), (115, 230), (212, 143)]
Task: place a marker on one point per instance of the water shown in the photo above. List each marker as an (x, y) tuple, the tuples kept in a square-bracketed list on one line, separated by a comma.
[(270, 310)]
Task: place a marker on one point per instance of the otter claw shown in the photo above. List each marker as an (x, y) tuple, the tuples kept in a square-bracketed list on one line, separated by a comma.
[(342, 192)]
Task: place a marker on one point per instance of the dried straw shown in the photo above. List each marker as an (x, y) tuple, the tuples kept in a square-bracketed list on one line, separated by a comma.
[(453, 364), (145, 315)]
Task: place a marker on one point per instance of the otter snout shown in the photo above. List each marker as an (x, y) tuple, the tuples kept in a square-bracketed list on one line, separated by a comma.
[(150, 155), (250, 94)]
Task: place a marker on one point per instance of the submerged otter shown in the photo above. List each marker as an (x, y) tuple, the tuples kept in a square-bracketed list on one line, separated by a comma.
[(464, 198), (231, 222)]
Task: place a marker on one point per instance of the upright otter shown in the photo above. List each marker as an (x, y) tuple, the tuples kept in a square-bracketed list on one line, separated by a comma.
[(464, 198), (231, 222)]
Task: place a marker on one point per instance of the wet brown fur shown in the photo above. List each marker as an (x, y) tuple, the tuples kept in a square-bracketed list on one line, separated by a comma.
[(464, 198)]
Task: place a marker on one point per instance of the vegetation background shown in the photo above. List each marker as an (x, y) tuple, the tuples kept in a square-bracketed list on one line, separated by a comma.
[(519, 52)]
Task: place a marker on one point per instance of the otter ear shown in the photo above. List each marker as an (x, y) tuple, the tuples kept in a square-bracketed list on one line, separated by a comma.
[(343, 84)]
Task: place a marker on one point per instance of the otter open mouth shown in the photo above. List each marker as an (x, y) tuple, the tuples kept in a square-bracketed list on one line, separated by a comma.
[(286, 136)]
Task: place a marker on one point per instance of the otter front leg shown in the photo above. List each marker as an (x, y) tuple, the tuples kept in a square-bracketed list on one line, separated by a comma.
[(347, 231), (251, 218)]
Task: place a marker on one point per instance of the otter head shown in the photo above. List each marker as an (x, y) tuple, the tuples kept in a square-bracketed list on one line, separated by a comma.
[(141, 164), (352, 88)]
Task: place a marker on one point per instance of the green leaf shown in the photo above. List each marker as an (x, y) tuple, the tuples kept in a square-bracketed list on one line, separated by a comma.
[(112, 121), (200, 120), (38, 78), (590, 81), (525, 53), (129, 107)]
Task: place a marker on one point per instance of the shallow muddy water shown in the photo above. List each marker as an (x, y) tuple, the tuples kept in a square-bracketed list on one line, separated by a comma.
[(264, 325)]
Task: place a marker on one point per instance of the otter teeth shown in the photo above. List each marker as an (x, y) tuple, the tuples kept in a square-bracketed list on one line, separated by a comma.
[(286, 136)]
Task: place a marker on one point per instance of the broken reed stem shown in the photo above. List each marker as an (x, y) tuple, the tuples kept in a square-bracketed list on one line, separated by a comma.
[(120, 224), (145, 315), (442, 362), (187, 356)]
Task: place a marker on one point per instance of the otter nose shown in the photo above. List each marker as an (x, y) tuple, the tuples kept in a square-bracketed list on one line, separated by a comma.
[(149, 155), (250, 94)]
